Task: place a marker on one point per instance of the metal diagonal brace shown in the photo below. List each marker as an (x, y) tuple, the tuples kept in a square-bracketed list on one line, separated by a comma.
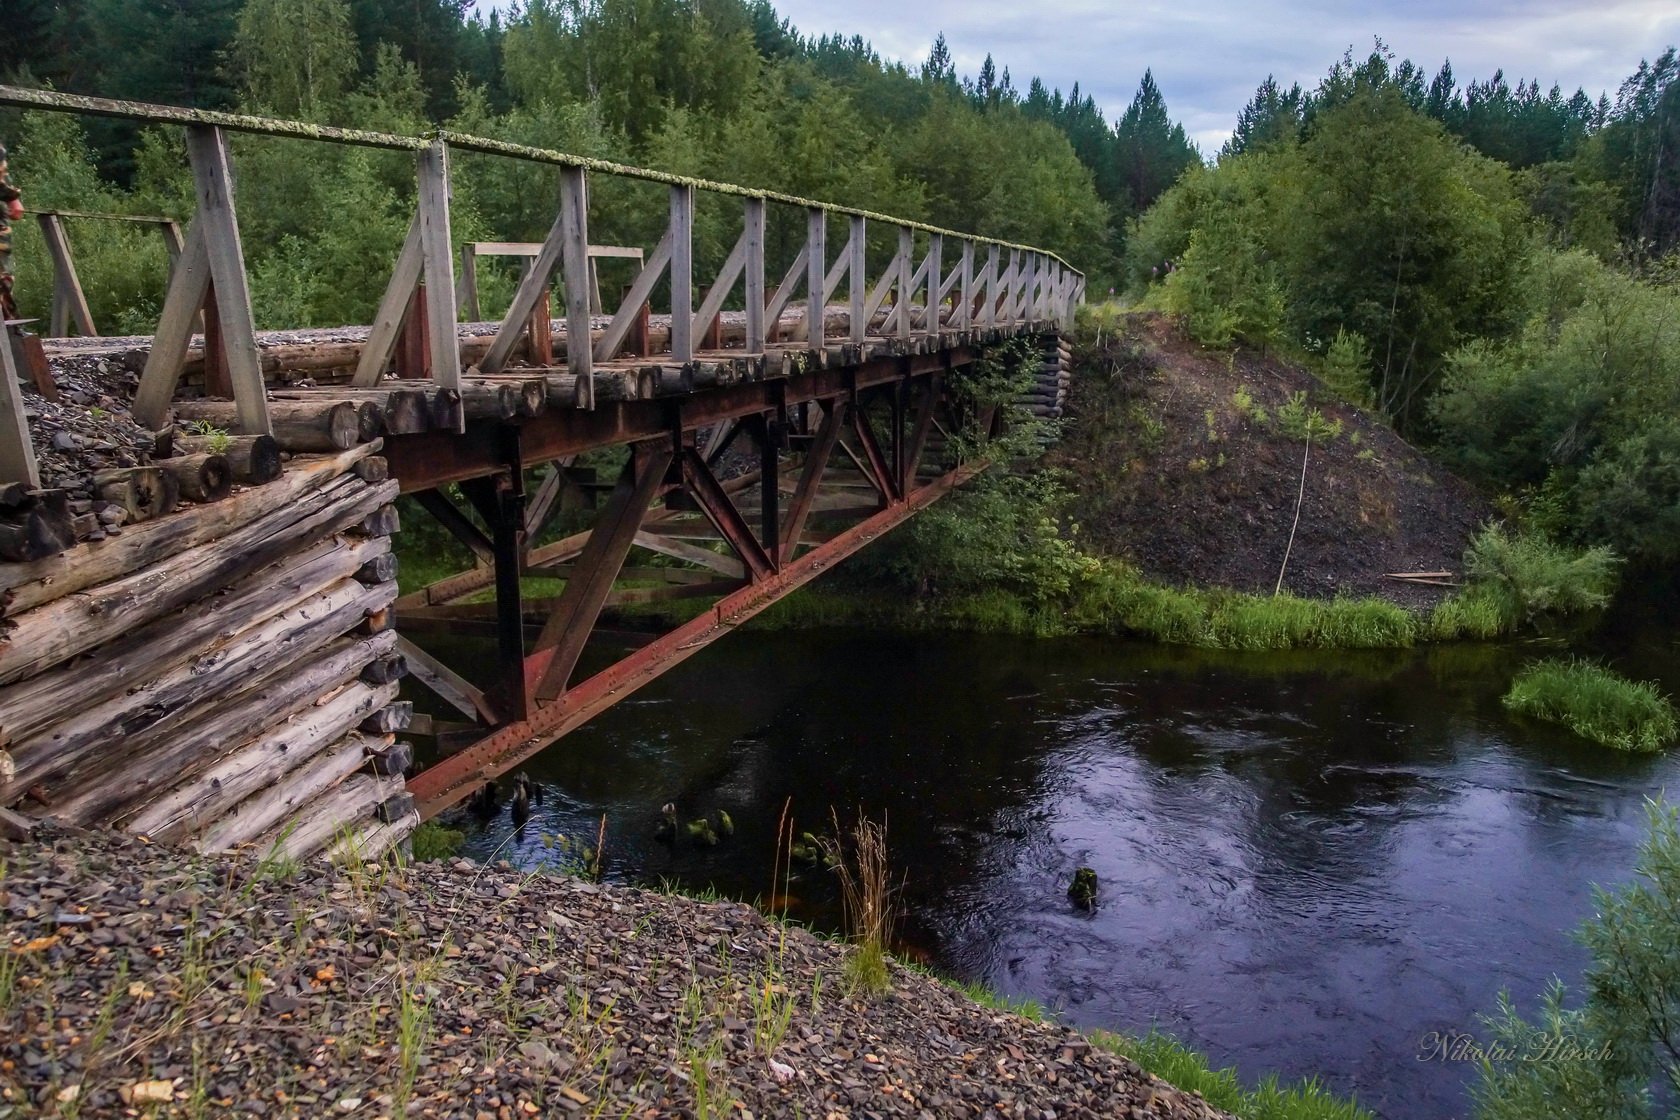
[(721, 512), (563, 636), (882, 474), (810, 478)]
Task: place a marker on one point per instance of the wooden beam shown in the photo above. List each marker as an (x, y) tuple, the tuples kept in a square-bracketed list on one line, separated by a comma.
[(525, 297), (752, 229), (721, 287), (858, 327), (816, 280), (564, 635), (393, 309), (17, 452), (69, 301), (681, 231), (574, 220), (906, 282), (182, 306), (213, 177), (439, 265), (630, 310)]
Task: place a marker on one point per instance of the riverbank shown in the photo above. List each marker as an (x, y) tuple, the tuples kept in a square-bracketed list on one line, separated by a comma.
[(139, 977)]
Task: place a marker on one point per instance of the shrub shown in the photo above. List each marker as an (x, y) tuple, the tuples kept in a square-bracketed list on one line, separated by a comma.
[(1626, 1027), (1595, 703), (1537, 577), (432, 841), (1346, 368)]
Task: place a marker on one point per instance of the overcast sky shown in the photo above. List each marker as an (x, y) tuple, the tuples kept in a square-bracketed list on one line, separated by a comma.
[(1208, 55)]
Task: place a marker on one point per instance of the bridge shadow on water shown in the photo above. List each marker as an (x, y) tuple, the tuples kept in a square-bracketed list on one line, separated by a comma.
[(1308, 862)]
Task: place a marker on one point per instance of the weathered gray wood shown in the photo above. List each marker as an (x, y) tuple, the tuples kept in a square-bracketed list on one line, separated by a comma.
[(459, 692), (143, 492), (201, 477), (935, 282), (906, 281), (964, 318), (313, 425), (640, 289), (783, 295), (439, 263), (26, 586), (253, 459), (106, 738), (69, 301), (681, 230), (395, 716), (126, 664), (753, 231), (694, 554), (17, 451), (378, 569), (182, 310), (720, 289), (213, 177), (66, 627), (858, 281), (466, 283), (816, 275), (574, 218), (393, 306), (329, 811), (300, 791), (255, 765), (526, 297), (393, 760)]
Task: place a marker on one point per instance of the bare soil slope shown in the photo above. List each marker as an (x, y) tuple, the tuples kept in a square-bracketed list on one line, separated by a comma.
[(1184, 467)]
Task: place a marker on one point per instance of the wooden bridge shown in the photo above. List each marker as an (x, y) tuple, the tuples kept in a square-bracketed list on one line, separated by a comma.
[(771, 430)]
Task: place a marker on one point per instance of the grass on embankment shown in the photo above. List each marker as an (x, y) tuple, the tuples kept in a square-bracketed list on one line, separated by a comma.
[(1595, 703), (1177, 1064)]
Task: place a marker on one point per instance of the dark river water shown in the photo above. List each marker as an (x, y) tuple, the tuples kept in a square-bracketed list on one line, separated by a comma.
[(1309, 863)]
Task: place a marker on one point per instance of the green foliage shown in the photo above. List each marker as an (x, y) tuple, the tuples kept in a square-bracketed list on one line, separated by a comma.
[(1346, 368), (296, 57), (1595, 703), (432, 841), (1626, 1033), (1530, 576), (1296, 420), (1178, 1065)]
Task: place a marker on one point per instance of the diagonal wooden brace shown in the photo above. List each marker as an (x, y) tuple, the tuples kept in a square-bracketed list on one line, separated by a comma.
[(564, 635)]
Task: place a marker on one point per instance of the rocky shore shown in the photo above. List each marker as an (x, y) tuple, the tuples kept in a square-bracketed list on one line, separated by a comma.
[(137, 980)]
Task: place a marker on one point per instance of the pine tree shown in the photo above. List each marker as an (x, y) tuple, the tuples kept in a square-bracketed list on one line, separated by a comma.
[(297, 56), (1151, 150)]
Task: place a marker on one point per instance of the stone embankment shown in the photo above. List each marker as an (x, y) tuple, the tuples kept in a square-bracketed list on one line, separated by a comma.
[(139, 980)]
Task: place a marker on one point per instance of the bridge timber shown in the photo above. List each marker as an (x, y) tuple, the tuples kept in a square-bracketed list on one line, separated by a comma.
[(766, 432)]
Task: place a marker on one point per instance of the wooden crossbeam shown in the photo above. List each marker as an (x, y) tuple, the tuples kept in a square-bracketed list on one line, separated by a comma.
[(628, 311), (460, 693), (393, 308), (69, 301), (557, 649), (721, 287)]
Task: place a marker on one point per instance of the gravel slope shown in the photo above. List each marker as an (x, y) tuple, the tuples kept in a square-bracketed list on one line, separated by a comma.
[(140, 981)]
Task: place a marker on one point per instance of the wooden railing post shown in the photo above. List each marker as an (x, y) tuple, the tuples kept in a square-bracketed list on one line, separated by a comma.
[(438, 260), (857, 281), (682, 274), (753, 231), (574, 262), (965, 288), (906, 247), (816, 272), (935, 279), (17, 453)]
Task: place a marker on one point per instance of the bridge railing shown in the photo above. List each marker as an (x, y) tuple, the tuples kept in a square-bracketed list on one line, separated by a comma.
[(937, 280)]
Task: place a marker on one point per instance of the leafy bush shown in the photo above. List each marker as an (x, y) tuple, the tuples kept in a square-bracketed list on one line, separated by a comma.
[(1346, 368), (1626, 1031), (432, 841), (1595, 703), (1533, 576)]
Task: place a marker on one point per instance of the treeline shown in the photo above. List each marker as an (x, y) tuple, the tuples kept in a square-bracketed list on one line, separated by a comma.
[(718, 88), (1519, 313)]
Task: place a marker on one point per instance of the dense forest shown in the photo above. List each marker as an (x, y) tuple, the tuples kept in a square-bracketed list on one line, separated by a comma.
[(1490, 265)]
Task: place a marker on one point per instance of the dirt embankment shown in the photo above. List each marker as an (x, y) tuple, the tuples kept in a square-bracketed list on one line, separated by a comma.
[(1188, 463)]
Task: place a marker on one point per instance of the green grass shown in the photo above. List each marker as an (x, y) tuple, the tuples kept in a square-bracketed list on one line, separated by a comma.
[(1268, 1100), (1595, 703), (432, 841)]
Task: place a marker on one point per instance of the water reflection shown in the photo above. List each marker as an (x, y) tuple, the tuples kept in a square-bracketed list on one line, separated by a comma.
[(1308, 861)]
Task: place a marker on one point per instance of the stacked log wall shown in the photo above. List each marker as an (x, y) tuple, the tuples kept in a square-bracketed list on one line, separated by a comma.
[(218, 677)]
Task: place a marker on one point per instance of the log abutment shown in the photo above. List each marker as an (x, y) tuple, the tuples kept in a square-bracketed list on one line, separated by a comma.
[(221, 676)]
